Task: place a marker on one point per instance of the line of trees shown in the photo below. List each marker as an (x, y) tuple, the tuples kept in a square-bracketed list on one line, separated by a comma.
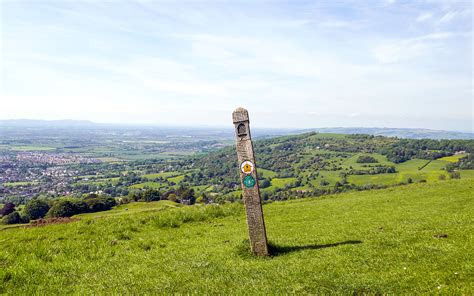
[(182, 194), (62, 207)]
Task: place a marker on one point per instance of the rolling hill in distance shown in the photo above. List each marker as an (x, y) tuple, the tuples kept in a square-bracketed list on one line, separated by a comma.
[(408, 133), (120, 161)]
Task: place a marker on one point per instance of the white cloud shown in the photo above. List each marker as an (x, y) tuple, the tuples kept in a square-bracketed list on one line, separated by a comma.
[(448, 17), (404, 49), (424, 17), (389, 2), (335, 24)]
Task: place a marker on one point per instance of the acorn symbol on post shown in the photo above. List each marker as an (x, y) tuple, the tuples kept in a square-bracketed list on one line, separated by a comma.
[(247, 167)]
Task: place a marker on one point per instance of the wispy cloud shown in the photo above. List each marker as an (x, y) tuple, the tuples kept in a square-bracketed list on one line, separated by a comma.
[(335, 24), (404, 49), (149, 61), (454, 15), (424, 16), (448, 17), (389, 2)]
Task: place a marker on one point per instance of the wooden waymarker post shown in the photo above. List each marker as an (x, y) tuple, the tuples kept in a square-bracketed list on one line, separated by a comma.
[(248, 178)]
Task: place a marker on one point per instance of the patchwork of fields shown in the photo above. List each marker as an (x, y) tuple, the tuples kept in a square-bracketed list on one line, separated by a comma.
[(415, 170), (293, 166)]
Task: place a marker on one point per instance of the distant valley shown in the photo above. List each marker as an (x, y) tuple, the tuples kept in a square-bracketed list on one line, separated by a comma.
[(53, 159)]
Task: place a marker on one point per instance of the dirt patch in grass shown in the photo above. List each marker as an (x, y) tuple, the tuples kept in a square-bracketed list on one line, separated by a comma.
[(59, 220)]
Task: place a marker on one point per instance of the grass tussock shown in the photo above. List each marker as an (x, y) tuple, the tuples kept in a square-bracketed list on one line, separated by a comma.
[(177, 217)]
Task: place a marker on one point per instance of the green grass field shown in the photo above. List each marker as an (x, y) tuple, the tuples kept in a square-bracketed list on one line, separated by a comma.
[(164, 175), (266, 173), (411, 165), (176, 179), (282, 182), (101, 181), (352, 161), (467, 174), (430, 172), (13, 184), (402, 240), (453, 158), (31, 148), (154, 185)]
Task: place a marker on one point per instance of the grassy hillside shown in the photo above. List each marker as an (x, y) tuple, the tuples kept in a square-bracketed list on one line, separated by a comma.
[(313, 164), (411, 239)]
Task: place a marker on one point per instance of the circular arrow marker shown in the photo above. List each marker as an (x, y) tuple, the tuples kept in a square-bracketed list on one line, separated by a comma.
[(249, 181), (247, 167)]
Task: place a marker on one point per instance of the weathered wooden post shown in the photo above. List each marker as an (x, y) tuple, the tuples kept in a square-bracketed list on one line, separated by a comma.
[(249, 180)]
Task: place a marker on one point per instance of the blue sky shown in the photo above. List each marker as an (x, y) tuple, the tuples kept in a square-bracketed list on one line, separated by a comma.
[(292, 64)]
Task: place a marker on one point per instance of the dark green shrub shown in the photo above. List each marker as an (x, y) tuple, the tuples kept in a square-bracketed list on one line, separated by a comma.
[(455, 175), (100, 204), (96, 205), (151, 195), (36, 208), (8, 208), (172, 197), (62, 208), (12, 218), (187, 196), (24, 218), (264, 183), (110, 202), (124, 200), (324, 183), (366, 159), (91, 195), (69, 207), (80, 206)]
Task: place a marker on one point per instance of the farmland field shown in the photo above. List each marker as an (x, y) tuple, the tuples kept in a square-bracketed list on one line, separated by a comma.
[(161, 175), (147, 184), (13, 184), (453, 158)]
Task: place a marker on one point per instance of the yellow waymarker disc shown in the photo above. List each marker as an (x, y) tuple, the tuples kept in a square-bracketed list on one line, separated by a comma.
[(247, 167)]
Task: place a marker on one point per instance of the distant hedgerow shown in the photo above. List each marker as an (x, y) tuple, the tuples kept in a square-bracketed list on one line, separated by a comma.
[(70, 206)]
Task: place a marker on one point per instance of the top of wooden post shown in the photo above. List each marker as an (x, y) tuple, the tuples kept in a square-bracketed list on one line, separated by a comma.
[(240, 114)]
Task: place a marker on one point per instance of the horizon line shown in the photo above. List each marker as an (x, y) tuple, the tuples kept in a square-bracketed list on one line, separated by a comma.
[(229, 127)]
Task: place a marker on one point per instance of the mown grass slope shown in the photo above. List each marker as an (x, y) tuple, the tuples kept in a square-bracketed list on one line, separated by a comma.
[(411, 239)]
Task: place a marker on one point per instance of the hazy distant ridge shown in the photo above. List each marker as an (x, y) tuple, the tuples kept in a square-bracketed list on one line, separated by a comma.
[(409, 133)]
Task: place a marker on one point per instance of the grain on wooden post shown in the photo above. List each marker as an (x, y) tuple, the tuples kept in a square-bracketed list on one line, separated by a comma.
[(249, 182)]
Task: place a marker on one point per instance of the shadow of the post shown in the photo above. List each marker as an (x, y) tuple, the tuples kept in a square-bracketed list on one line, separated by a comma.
[(276, 249)]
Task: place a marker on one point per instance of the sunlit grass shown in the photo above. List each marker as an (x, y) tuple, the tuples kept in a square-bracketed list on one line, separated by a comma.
[(403, 240), (154, 185), (161, 175), (453, 158)]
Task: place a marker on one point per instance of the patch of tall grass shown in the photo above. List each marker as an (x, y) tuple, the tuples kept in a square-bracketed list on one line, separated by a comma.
[(176, 217)]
